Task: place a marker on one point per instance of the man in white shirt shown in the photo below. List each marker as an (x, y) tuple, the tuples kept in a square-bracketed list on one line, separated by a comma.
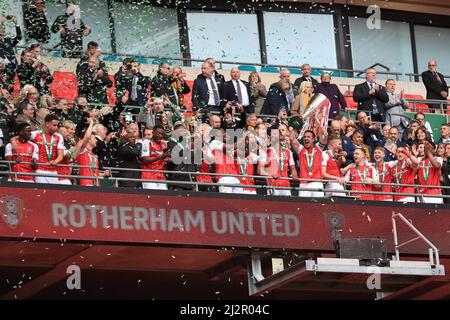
[(238, 92)]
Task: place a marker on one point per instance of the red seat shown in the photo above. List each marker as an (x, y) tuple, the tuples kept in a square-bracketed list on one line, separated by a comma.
[(111, 92), (351, 104), (64, 85), (417, 107), (188, 97), (16, 88)]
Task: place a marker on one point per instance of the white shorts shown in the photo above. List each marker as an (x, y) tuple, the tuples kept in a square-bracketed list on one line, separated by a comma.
[(154, 186), (229, 180), (65, 182), (334, 186), (407, 199), (19, 180), (433, 200), (280, 192), (47, 178), (311, 194), (248, 191)]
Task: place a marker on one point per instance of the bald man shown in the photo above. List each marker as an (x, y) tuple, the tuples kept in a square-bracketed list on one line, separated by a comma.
[(435, 83), (238, 92), (371, 96), (208, 92)]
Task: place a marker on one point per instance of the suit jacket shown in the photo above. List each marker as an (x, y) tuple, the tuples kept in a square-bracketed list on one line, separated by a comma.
[(231, 94), (275, 101), (365, 100), (200, 92), (103, 153), (434, 87), (95, 90), (395, 108), (299, 81), (141, 88)]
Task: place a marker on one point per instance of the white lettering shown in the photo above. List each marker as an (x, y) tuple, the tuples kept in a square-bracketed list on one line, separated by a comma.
[(250, 230), (262, 221), (236, 223), (140, 218), (276, 225), (93, 218), (125, 218), (59, 213), (175, 221), (194, 222), (295, 232), (214, 221), (161, 219), (73, 215), (74, 280), (110, 218)]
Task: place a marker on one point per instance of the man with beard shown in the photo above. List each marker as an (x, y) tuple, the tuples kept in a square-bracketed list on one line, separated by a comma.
[(310, 160), (24, 152), (429, 173), (51, 150), (277, 163), (404, 171), (363, 175), (385, 171), (332, 161)]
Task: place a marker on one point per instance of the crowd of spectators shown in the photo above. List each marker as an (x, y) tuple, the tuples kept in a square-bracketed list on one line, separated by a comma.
[(237, 129)]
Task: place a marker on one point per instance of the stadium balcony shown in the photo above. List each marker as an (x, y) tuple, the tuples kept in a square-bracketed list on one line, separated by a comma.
[(211, 240), (205, 245)]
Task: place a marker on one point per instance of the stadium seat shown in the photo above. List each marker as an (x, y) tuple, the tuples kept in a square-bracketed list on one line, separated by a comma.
[(158, 61), (112, 58), (351, 104), (316, 72), (64, 85), (417, 107), (111, 92), (141, 60), (270, 69), (16, 88), (56, 54), (295, 71), (247, 68)]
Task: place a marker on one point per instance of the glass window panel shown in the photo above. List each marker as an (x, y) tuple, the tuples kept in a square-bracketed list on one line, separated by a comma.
[(390, 46), (146, 30), (94, 14), (296, 38), (433, 43), (224, 36)]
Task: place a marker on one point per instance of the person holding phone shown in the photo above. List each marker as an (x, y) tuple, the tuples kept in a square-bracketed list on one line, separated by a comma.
[(180, 88)]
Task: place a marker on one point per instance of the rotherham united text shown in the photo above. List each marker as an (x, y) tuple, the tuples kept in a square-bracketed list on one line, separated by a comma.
[(168, 220)]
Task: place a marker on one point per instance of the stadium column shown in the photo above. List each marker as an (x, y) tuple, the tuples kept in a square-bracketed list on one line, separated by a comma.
[(342, 39)]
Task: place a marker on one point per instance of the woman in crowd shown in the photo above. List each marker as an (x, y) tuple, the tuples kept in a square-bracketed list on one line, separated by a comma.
[(422, 136), (303, 98), (259, 91)]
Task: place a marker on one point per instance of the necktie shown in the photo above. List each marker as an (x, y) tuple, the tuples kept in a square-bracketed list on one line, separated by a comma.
[(239, 92), (215, 92), (134, 89), (437, 77)]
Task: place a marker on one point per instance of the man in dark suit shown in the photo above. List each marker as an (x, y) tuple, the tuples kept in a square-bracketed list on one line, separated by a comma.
[(238, 92), (371, 97), (102, 150), (306, 76), (132, 80), (208, 92), (436, 86)]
